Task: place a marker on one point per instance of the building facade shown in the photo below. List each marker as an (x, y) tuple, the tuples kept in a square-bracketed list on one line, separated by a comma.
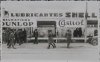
[(57, 24), (57, 20)]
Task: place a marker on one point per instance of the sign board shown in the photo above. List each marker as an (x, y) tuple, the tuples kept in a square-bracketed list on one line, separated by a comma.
[(28, 13)]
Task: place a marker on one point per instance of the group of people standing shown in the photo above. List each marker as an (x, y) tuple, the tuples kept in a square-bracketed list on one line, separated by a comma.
[(77, 32), (12, 36)]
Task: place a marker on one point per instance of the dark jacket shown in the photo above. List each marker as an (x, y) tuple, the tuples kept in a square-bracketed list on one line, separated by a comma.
[(35, 33), (50, 38), (68, 35)]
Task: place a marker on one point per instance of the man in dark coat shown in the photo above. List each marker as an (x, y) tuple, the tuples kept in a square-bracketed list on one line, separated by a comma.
[(75, 33), (36, 36), (7, 36), (80, 32), (50, 40), (16, 37), (11, 39), (20, 36), (68, 36), (24, 36)]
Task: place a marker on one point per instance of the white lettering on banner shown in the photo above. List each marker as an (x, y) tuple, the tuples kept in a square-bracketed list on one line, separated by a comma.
[(66, 23)]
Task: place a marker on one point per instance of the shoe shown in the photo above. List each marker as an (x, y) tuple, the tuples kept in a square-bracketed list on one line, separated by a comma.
[(48, 48), (19, 44), (67, 47), (54, 46), (14, 48), (8, 47)]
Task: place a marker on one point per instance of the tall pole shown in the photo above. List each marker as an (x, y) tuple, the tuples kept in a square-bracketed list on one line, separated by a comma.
[(86, 22)]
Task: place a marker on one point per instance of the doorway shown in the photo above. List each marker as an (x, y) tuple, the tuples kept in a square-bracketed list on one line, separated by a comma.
[(44, 26)]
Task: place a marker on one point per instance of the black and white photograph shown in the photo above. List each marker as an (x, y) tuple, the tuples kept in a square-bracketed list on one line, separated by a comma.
[(54, 31), (99, 32), (99, 39), (0, 41), (50, 0)]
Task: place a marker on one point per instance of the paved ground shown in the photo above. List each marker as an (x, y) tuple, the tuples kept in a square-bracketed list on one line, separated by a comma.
[(78, 52), (0, 52)]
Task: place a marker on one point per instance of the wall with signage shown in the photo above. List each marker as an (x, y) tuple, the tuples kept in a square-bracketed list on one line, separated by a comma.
[(71, 16)]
